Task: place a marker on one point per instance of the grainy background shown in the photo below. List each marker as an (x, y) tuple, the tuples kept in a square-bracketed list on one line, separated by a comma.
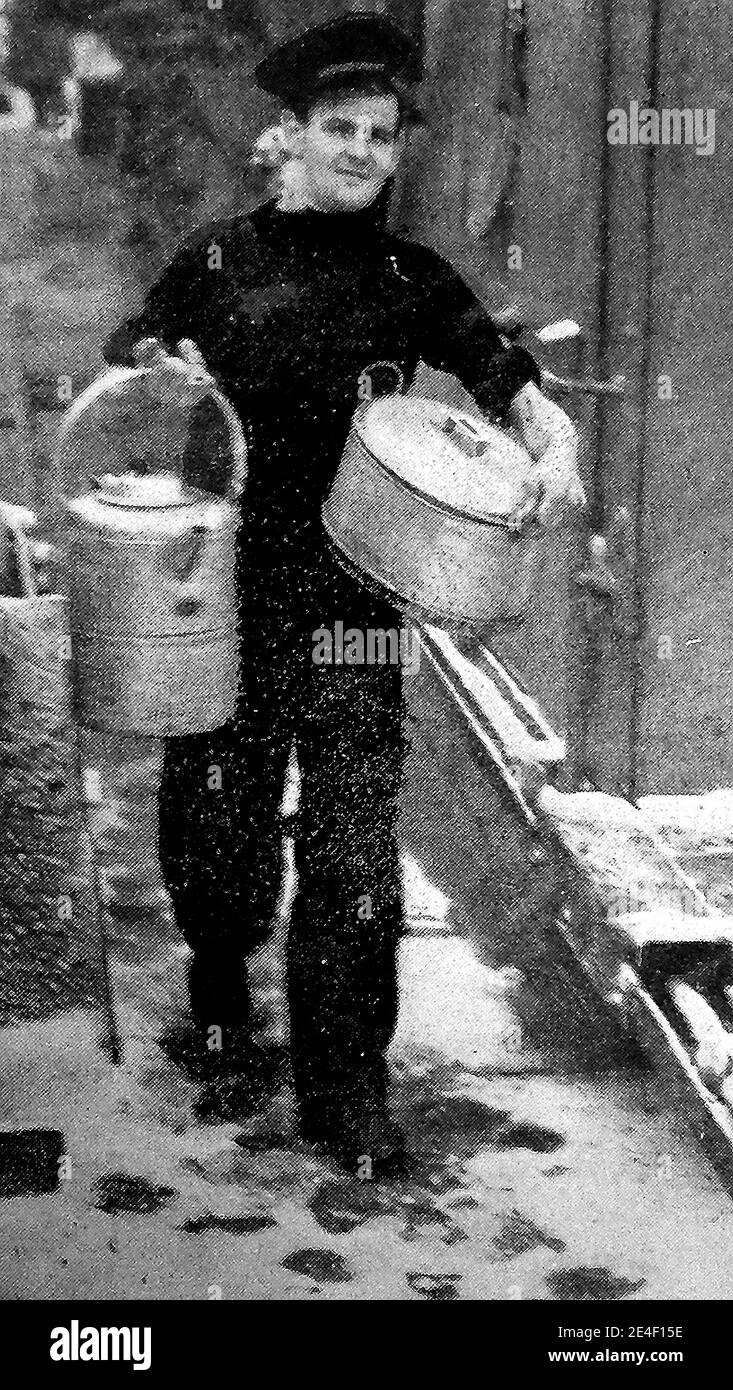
[(555, 1167)]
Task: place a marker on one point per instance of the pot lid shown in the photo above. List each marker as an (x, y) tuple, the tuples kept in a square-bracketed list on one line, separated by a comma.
[(458, 460), (146, 490)]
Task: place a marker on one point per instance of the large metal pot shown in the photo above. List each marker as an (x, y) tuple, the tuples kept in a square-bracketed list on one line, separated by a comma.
[(422, 506)]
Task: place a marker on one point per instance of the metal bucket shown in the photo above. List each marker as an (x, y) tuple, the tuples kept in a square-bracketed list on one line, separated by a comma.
[(152, 586)]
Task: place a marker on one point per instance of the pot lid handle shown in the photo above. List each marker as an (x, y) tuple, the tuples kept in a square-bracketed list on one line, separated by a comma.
[(461, 430)]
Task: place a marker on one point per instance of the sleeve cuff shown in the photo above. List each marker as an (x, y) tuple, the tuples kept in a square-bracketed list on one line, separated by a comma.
[(505, 375), (117, 349)]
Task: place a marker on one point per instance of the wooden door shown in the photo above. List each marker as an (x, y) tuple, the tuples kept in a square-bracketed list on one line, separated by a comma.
[(634, 245)]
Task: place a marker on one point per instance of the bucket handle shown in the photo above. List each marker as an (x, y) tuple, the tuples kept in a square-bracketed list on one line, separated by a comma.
[(116, 377), (237, 445), (145, 352)]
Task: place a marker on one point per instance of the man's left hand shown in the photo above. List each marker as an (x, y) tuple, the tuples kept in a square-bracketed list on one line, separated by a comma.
[(551, 439)]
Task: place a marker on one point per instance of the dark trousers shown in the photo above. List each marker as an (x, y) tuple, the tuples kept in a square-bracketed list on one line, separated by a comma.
[(221, 846)]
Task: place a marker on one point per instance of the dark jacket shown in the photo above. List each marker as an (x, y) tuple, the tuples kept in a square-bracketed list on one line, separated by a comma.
[(288, 309)]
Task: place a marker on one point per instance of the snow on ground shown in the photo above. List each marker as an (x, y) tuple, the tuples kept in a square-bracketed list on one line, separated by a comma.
[(548, 1167)]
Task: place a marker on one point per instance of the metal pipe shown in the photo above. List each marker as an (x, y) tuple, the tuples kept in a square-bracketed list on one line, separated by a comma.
[(583, 385), (111, 1039)]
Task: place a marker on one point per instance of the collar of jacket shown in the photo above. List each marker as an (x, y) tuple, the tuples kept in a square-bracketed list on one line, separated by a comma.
[(312, 229)]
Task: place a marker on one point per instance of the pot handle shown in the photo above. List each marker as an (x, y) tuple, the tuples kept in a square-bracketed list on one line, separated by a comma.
[(365, 392), (527, 510)]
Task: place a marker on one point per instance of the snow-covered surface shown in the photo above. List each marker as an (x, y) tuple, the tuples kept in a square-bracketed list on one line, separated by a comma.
[(628, 860), (693, 824), (540, 1157)]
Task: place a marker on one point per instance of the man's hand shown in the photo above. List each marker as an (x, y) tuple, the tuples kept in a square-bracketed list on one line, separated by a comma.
[(551, 439), (177, 381)]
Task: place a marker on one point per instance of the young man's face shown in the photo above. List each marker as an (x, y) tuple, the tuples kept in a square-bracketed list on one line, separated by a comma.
[(349, 146)]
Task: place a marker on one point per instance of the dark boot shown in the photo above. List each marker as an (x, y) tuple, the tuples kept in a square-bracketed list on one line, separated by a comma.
[(370, 1146), (218, 1042), (353, 1126), (218, 989)]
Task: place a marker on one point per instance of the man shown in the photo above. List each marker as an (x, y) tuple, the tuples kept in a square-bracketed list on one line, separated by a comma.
[(289, 306)]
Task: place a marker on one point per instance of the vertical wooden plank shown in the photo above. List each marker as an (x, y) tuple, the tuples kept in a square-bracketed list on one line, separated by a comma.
[(666, 724), (686, 719), (619, 347)]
